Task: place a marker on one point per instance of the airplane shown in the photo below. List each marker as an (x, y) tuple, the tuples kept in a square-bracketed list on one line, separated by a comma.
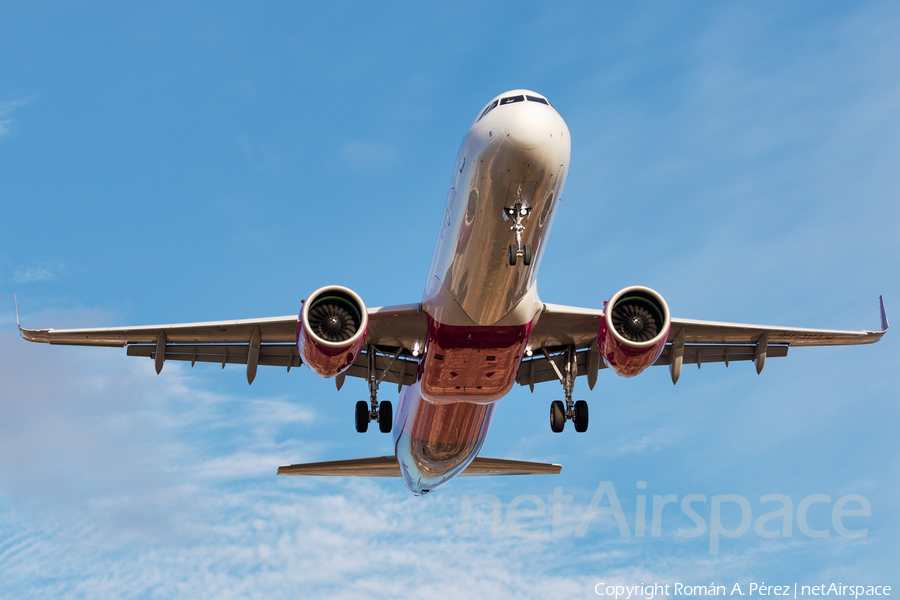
[(480, 327)]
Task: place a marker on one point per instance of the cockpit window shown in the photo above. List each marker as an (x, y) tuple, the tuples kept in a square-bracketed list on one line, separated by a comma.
[(512, 99), (488, 109)]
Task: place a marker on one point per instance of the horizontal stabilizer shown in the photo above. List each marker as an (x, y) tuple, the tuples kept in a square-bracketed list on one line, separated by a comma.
[(387, 466), (501, 466), (378, 466)]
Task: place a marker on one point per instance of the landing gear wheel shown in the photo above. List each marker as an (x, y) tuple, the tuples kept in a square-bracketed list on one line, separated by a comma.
[(385, 417), (557, 416), (512, 256), (526, 257), (362, 416), (581, 416)]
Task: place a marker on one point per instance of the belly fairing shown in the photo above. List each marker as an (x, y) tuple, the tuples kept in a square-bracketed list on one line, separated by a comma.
[(471, 364)]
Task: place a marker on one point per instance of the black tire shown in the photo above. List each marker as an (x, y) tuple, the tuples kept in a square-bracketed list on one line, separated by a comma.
[(362, 416), (512, 256), (385, 417), (526, 257), (557, 416), (581, 416)]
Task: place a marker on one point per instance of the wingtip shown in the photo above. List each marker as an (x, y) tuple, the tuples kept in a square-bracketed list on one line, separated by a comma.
[(884, 319), (29, 335)]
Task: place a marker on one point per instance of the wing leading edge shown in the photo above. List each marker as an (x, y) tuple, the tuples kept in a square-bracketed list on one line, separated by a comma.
[(389, 325)]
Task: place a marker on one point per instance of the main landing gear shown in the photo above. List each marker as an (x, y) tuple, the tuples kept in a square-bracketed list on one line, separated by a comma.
[(382, 412), (576, 411), (518, 214)]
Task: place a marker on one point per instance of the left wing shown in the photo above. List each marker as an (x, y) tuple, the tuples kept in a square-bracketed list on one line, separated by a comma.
[(252, 342)]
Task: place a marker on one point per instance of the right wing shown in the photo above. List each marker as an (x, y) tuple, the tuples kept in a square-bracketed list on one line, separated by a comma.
[(698, 342)]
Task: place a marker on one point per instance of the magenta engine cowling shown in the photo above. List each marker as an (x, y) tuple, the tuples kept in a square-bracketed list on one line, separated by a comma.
[(634, 329), (331, 330)]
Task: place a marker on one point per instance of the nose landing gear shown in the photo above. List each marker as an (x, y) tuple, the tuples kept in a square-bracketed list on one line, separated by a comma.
[(518, 214)]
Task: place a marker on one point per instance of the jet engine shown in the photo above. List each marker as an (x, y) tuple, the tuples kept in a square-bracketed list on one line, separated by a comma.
[(633, 332), (331, 330)]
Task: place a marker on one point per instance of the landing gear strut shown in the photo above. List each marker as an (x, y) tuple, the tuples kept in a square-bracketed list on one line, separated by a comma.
[(518, 214), (382, 412), (577, 412)]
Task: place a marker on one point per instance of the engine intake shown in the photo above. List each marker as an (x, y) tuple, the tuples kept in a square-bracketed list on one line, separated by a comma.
[(331, 330), (633, 332)]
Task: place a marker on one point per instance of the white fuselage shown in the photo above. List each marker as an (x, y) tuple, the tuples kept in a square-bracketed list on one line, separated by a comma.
[(516, 152), (480, 307)]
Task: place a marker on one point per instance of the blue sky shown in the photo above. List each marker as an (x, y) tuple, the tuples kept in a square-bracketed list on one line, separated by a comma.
[(175, 162)]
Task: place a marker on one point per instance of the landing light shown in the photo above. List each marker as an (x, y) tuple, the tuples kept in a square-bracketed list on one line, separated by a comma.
[(415, 351), (528, 352)]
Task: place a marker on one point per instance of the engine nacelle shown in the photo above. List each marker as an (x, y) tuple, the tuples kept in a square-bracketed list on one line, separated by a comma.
[(633, 332), (331, 330)]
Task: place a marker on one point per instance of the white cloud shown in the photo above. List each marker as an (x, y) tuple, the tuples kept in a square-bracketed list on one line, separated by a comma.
[(6, 108), (648, 443), (43, 272), (281, 412), (116, 482)]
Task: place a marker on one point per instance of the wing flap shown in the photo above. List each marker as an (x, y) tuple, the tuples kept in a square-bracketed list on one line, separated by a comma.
[(278, 355), (387, 466), (539, 370), (704, 354)]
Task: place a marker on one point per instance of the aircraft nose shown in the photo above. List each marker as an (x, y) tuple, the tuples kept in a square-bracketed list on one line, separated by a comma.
[(529, 125)]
